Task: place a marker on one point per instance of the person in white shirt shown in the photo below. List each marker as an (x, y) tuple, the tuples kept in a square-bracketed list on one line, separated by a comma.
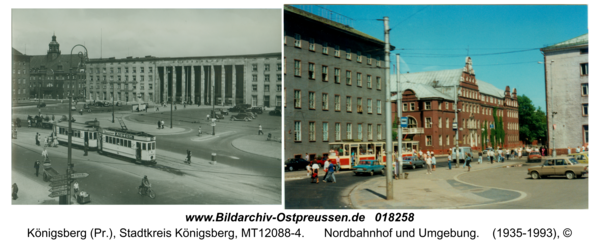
[(315, 170), (449, 162), (325, 167), (578, 150), (308, 170), (307, 157)]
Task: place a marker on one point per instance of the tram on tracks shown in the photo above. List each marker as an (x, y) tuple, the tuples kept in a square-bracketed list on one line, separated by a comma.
[(367, 151), (82, 133), (134, 145)]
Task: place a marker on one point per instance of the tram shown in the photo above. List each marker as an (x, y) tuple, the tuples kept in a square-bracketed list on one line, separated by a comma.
[(82, 133), (130, 144), (367, 151)]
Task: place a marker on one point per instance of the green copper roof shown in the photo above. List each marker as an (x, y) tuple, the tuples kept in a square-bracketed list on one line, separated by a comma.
[(333, 24), (578, 41)]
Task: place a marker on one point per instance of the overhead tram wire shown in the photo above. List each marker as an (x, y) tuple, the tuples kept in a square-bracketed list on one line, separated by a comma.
[(433, 55), (409, 17)]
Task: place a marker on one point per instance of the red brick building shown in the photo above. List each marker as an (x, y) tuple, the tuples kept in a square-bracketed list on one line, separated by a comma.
[(428, 102)]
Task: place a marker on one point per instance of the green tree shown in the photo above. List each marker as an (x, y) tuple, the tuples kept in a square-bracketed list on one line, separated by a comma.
[(483, 135), (494, 131), (532, 122), (501, 132)]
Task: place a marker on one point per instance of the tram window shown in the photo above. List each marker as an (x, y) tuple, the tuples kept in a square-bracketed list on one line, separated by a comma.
[(94, 135), (129, 143), (153, 146), (143, 146), (110, 140), (106, 139)]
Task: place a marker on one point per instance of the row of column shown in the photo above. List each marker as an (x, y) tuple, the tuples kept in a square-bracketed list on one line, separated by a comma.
[(202, 83)]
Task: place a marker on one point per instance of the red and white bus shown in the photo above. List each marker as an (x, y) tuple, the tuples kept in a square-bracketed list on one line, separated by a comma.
[(366, 151)]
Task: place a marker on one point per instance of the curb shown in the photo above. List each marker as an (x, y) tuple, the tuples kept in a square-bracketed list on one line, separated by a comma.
[(232, 144)]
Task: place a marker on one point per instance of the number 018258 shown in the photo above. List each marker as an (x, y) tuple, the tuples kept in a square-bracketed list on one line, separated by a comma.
[(394, 217)]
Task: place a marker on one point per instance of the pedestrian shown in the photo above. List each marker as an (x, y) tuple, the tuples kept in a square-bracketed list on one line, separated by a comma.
[(577, 150), (29, 123), (260, 130), (199, 130), (337, 160), (352, 159), (520, 153), (157, 108), (480, 158), (45, 142), (45, 155), (461, 157), (158, 123), (433, 161), (183, 106), (308, 170), (37, 139), (207, 117), (569, 150), (326, 169), (315, 171), (330, 171), (75, 188), (36, 165), (307, 157), (15, 190), (428, 162), (55, 142), (175, 107), (449, 162), (163, 124), (491, 156), (507, 153), (468, 161)]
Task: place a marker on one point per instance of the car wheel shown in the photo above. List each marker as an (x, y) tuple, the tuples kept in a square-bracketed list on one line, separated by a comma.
[(570, 175), (535, 175), (372, 173), (291, 168)]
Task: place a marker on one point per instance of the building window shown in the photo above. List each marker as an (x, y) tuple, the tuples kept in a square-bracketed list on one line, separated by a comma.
[(379, 133), (348, 54), (428, 122), (297, 99), (311, 100), (348, 77), (278, 77), (267, 67), (584, 108), (428, 140), (348, 104), (267, 88), (337, 103), (325, 101), (404, 107), (378, 106), (427, 105), (584, 89), (583, 51), (279, 88), (359, 132), (359, 79), (338, 131), (359, 105), (267, 78), (278, 66), (447, 122), (255, 78), (325, 48), (368, 81), (150, 69), (132, 68), (325, 131), (278, 100), (298, 41), (254, 88), (118, 69), (311, 44), (336, 75), (312, 134), (141, 70), (446, 105), (324, 73), (311, 71), (585, 134), (254, 67), (349, 131), (369, 106), (369, 132), (297, 131), (297, 68), (439, 122), (378, 83), (358, 57), (412, 106), (440, 141), (447, 140)]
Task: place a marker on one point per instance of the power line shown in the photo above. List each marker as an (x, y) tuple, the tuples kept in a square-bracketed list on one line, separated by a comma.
[(525, 62), (433, 55), (409, 17)]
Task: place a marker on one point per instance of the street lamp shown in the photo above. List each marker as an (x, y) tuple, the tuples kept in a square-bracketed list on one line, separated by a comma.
[(551, 107)]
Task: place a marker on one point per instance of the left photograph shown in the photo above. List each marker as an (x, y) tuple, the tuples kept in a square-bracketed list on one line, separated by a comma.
[(125, 106)]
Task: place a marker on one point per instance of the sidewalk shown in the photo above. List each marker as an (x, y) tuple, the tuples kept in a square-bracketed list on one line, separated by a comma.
[(440, 190), (258, 144)]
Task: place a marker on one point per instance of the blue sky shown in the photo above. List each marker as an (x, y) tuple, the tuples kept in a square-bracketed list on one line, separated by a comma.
[(436, 37)]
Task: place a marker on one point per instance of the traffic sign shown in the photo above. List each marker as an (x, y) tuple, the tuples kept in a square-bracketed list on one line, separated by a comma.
[(59, 183), (454, 126), (404, 122), (58, 193), (59, 188), (73, 176)]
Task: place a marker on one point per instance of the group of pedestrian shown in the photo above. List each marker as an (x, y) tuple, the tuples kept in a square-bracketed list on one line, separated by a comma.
[(577, 150), (329, 167), (161, 124)]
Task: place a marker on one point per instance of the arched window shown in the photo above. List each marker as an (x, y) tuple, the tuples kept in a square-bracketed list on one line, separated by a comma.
[(412, 122)]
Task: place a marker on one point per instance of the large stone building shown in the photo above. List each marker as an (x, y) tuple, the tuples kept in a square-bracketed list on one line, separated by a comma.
[(428, 102), (20, 76), (249, 79), (335, 90), (567, 93), (51, 76)]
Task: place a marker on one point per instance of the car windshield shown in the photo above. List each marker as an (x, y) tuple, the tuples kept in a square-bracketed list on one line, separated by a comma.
[(573, 161), (365, 163)]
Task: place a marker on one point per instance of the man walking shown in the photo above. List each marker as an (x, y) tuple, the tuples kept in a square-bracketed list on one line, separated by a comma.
[(158, 123), (207, 117), (36, 165), (330, 172), (199, 130), (163, 124), (260, 130)]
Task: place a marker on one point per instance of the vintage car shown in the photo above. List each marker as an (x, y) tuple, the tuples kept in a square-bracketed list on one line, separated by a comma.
[(239, 108), (580, 157), (566, 166), (241, 117), (534, 156), (257, 110), (276, 112), (218, 114), (222, 111), (412, 162), (368, 167), (295, 164), (42, 104)]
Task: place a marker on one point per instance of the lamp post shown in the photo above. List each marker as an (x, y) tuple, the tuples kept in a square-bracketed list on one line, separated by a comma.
[(551, 107)]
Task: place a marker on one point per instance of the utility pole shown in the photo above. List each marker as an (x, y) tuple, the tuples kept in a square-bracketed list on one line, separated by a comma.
[(113, 106), (399, 93), (456, 121), (552, 110), (388, 115), (69, 163)]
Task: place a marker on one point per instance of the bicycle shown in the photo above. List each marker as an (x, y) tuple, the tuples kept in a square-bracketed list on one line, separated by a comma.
[(146, 191)]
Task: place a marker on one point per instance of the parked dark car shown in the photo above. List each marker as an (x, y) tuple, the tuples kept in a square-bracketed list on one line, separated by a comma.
[(276, 112), (42, 104), (295, 164), (257, 110), (239, 108), (222, 111)]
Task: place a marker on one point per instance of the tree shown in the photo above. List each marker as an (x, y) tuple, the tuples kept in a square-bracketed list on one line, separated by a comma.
[(532, 122), (501, 132), (483, 135)]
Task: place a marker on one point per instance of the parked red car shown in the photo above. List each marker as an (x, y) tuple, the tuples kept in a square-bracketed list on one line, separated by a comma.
[(534, 156)]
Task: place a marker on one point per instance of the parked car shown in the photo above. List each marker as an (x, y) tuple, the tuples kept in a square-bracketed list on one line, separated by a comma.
[(566, 166), (241, 117), (239, 108), (295, 164), (534, 156), (412, 162), (222, 111), (257, 110), (42, 104), (580, 157), (218, 114), (276, 112), (368, 167)]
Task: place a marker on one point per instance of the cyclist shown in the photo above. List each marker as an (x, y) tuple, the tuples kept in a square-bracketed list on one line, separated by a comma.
[(145, 184)]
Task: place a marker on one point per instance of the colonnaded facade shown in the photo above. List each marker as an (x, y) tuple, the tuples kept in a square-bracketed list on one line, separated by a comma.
[(223, 80)]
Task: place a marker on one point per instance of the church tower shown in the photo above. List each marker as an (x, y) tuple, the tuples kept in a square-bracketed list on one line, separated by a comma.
[(54, 49)]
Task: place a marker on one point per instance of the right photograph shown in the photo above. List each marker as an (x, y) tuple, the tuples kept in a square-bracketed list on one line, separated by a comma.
[(436, 107)]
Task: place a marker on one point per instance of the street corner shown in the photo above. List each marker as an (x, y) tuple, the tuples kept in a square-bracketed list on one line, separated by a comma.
[(258, 144)]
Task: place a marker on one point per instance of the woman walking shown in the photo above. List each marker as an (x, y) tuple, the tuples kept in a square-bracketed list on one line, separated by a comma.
[(449, 162), (433, 161), (468, 161), (428, 161)]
